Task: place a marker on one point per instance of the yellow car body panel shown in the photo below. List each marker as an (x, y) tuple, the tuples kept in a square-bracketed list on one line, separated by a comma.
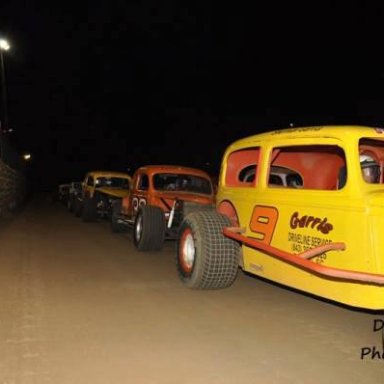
[(120, 193), (295, 220)]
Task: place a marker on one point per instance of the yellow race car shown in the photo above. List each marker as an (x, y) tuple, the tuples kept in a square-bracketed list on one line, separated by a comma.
[(303, 207), (99, 190)]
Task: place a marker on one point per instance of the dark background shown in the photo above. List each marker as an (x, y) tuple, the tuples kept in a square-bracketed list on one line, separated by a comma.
[(119, 84)]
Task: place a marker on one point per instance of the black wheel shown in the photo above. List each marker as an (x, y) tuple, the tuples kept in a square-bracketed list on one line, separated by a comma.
[(104, 206), (89, 213), (206, 259), (116, 225), (149, 229)]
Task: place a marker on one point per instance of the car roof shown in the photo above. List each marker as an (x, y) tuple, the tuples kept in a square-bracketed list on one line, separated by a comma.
[(173, 169), (109, 173), (341, 132)]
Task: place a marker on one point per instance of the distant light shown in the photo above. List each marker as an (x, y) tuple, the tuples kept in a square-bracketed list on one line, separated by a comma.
[(291, 124), (27, 156), (4, 45)]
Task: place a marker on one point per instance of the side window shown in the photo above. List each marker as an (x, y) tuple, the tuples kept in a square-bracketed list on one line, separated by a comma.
[(143, 184), (247, 174), (371, 159), (307, 167), (294, 180), (241, 167), (90, 182), (284, 177), (275, 180)]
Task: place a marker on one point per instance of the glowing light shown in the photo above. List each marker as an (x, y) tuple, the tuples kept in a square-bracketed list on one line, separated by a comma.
[(4, 45)]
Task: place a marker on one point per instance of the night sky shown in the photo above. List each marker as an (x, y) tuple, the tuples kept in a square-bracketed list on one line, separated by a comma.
[(86, 81)]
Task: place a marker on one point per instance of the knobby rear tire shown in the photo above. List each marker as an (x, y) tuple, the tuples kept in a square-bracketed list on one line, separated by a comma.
[(205, 258)]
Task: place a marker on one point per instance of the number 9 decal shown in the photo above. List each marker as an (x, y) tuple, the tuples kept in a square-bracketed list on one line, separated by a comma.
[(263, 222)]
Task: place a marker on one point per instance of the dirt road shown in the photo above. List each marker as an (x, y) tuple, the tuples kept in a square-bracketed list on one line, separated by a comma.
[(79, 305)]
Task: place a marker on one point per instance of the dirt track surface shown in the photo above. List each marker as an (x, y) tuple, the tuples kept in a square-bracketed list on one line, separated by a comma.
[(79, 305)]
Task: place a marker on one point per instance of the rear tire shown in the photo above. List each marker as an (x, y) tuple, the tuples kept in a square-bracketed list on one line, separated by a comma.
[(149, 229), (206, 259)]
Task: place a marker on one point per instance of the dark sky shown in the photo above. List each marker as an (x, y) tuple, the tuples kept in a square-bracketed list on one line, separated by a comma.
[(88, 81)]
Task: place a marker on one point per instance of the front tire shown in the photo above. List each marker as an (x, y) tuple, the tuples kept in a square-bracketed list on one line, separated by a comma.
[(206, 259), (116, 226), (149, 229), (89, 213)]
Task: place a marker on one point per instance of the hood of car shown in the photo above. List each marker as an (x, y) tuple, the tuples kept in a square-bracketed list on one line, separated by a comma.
[(187, 196), (114, 191)]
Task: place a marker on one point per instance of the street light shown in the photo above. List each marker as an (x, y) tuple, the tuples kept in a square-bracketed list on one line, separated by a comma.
[(4, 46), (27, 156)]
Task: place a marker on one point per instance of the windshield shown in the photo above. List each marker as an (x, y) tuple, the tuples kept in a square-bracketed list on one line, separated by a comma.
[(181, 182), (112, 182)]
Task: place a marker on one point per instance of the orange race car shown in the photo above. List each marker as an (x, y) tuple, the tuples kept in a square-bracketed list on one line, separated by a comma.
[(161, 196)]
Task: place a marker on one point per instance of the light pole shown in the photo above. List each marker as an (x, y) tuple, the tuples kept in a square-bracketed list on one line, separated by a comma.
[(4, 46)]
